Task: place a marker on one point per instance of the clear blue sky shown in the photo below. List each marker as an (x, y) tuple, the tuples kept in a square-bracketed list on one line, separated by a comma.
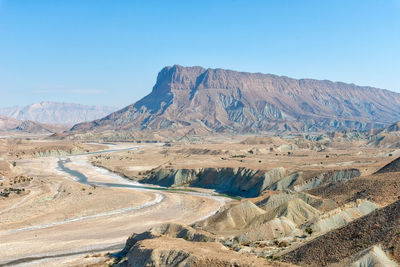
[(109, 51)]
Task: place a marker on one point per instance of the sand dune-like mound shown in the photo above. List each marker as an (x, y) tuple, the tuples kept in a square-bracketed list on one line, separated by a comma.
[(233, 218), (272, 201), (251, 223), (267, 230), (296, 210), (280, 222)]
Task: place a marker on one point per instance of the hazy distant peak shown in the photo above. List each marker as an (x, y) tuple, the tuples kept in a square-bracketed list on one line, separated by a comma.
[(57, 112)]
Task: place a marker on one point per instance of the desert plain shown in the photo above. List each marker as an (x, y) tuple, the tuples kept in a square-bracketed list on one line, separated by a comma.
[(258, 199)]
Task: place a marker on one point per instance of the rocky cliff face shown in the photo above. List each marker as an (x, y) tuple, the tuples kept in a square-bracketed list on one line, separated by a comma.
[(225, 100), (247, 182), (57, 113)]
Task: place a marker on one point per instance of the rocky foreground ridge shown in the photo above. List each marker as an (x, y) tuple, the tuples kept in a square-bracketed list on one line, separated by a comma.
[(209, 100)]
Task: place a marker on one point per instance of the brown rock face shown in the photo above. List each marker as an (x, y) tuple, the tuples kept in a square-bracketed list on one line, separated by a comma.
[(225, 100)]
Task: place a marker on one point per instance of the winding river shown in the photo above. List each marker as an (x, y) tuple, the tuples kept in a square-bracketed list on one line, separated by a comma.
[(107, 228)]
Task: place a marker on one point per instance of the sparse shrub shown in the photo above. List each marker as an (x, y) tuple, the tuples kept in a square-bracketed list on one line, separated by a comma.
[(238, 156), (309, 230), (283, 244)]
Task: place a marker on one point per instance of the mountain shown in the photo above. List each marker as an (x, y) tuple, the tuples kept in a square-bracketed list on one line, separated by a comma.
[(226, 100), (14, 125), (8, 123), (57, 113)]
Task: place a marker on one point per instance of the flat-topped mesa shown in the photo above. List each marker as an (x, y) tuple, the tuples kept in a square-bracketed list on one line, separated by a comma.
[(178, 77), (227, 100)]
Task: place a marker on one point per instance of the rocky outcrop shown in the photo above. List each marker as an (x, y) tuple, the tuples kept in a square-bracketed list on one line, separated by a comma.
[(246, 182), (341, 216), (236, 181), (283, 221), (180, 245), (251, 223), (328, 177), (230, 101), (166, 251), (273, 201), (173, 230)]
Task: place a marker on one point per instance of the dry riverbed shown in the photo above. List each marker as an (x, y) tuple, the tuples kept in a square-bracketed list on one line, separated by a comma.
[(59, 215)]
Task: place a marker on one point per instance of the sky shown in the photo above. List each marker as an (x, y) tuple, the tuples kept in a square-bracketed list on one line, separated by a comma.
[(108, 52)]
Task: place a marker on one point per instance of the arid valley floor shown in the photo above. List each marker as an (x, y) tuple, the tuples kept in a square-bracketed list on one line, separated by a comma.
[(215, 201)]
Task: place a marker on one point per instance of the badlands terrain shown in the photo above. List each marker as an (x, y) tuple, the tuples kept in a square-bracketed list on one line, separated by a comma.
[(213, 168), (222, 200)]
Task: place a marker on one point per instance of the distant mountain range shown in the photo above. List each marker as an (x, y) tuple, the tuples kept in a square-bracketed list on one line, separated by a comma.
[(218, 100), (57, 113)]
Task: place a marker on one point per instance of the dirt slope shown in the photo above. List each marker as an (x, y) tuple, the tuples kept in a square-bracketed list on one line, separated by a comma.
[(393, 166), (381, 226)]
